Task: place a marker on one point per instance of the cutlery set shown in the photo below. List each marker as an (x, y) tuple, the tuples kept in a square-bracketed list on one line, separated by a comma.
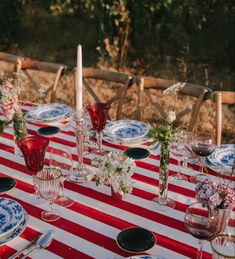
[(38, 243)]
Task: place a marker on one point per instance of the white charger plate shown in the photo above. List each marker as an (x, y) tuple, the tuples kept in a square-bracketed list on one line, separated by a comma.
[(11, 215), (223, 157), (126, 131), (46, 113)]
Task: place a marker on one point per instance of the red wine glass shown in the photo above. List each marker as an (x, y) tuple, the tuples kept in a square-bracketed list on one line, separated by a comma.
[(33, 149), (98, 113), (201, 221), (203, 145)]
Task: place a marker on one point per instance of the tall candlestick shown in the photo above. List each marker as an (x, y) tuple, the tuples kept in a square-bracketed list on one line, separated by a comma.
[(78, 81)]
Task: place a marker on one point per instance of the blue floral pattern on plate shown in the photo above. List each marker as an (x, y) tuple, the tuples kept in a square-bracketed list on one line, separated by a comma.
[(17, 231), (127, 130), (48, 113), (11, 215), (223, 156)]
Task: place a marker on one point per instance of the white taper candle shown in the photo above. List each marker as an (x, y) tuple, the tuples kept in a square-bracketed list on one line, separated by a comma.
[(78, 81)]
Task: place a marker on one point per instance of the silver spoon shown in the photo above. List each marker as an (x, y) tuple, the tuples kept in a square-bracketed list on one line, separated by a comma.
[(43, 241)]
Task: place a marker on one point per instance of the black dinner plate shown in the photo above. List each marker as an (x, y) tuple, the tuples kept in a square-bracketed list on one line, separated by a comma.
[(6, 184), (48, 131), (136, 153), (135, 240)]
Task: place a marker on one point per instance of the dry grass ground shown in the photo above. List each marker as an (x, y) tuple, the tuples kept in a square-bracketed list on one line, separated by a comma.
[(206, 118), (65, 94)]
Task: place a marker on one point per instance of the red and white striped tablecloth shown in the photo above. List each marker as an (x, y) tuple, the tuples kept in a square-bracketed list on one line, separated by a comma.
[(88, 229)]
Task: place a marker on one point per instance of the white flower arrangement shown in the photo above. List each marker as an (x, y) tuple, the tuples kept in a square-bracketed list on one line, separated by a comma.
[(116, 170)]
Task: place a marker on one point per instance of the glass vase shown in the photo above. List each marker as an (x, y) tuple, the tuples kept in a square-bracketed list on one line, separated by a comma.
[(162, 201), (20, 130), (224, 216)]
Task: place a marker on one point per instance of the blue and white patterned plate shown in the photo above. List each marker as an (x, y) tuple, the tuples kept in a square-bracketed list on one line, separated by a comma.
[(223, 156), (17, 231), (11, 215), (126, 130), (49, 113)]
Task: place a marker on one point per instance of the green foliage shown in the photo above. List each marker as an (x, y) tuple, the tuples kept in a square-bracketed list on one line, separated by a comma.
[(165, 134), (164, 34), (11, 13), (3, 125)]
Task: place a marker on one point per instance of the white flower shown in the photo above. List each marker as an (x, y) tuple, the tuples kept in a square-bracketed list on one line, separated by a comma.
[(171, 116), (173, 89), (116, 170)]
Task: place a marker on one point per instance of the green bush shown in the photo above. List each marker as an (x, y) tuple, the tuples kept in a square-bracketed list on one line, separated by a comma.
[(11, 12)]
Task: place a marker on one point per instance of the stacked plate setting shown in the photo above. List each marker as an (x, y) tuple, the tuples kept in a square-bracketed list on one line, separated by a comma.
[(49, 113), (13, 220), (222, 160), (126, 131)]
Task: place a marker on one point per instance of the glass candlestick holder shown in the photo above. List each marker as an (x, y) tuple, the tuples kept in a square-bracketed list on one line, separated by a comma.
[(80, 173)]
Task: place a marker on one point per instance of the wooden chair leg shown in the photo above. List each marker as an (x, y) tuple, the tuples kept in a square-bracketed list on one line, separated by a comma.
[(53, 92), (140, 84), (121, 98), (218, 102), (195, 111)]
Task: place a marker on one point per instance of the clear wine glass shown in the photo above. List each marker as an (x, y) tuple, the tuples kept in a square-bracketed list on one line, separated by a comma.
[(62, 159), (47, 183), (223, 246), (181, 151), (98, 113), (203, 145), (201, 221)]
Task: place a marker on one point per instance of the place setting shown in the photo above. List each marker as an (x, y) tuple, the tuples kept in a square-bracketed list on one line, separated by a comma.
[(130, 133), (48, 113), (222, 160)]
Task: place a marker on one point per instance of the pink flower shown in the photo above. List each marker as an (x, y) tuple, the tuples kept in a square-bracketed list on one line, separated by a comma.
[(219, 195), (8, 100)]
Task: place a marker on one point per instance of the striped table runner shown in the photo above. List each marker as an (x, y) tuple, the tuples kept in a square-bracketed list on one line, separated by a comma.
[(88, 229)]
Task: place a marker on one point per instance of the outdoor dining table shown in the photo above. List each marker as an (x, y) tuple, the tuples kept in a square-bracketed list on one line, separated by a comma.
[(88, 228)]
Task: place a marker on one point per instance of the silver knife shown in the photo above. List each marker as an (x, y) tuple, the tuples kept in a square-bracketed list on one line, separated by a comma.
[(26, 247)]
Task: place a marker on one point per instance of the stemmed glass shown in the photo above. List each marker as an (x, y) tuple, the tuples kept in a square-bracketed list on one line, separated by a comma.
[(223, 246), (47, 183), (98, 113), (201, 221), (33, 149), (62, 159), (203, 145), (180, 150)]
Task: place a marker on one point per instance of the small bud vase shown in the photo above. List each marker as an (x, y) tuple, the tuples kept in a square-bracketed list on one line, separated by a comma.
[(116, 195), (20, 129), (224, 216)]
